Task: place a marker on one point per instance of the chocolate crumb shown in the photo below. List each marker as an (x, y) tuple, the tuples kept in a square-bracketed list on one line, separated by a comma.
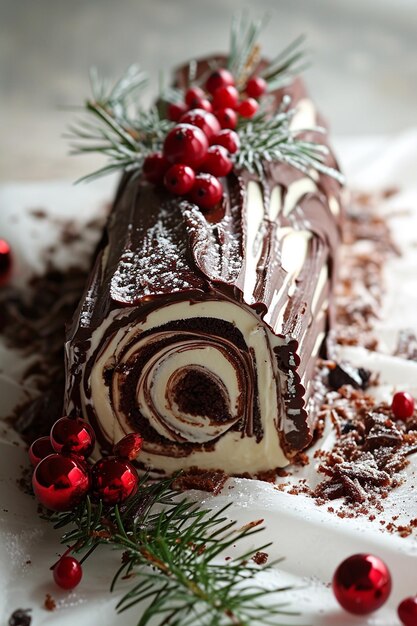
[(260, 558), (20, 617), (49, 604), (211, 481)]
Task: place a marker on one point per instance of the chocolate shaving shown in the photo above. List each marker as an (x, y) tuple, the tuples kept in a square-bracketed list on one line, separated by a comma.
[(211, 481), (20, 617)]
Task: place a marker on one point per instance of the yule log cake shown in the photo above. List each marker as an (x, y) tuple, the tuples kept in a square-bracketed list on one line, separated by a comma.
[(211, 292)]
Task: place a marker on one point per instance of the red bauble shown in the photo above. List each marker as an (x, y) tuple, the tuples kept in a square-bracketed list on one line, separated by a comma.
[(179, 179), (154, 167), (225, 97), (5, 262), (207, 191), (61, 482), (67, 572), (40, 449), (247, 108), (219, 78), (407, 611), (114, 480), (229, 139), (186, 144), (227, 118), (205, 120), (256, 86), (128, 447), (72, 436), (194, 94), (402, 405), (362, 584), (176, 110), (217, 161)]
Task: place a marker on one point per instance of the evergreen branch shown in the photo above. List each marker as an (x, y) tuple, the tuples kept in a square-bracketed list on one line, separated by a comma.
[(290, 62), (171, 548), (244, 45), (272, 139)]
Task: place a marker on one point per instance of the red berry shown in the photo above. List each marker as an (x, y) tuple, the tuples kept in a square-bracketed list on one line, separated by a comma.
[(192, 94), (402, 405), (217, 161), (114, 479), (5, 262), (61, 482), (225, 97), (407, 611), (186, 144), (128, 447), (248, 108), (154, 167), (207, 191), (67, 572), (229, 139), (179, 179), (40, 449), (219, 78), (205, 120), (227, 118), (362, 583), (256, 86), (201, 103), (176, 110), (72, 436)]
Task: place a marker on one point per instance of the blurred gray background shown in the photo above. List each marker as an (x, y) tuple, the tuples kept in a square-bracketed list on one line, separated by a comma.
[(364, 74)]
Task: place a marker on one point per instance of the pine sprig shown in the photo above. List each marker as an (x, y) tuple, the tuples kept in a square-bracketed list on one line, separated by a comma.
[(268, 139), (170, 548)]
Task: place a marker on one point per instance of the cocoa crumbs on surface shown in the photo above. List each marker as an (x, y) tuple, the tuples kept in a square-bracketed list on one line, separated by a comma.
[(49, 604), (260, 558)]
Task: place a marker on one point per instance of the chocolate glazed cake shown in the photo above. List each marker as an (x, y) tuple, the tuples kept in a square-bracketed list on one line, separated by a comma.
[(201, 330)]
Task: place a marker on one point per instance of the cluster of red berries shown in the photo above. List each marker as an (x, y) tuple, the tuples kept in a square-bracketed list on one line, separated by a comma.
[(196, 152), (63, 477)]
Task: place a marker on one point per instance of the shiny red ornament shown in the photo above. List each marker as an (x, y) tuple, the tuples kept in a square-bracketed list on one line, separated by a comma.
[(217, 161), (40, 449), (72, 436), (128, 447), (207, 191), (154, 167), (227, 118), (205, 120), (225, 97), (229, 139), (114, 479), (219, 78), (362, 584), (194, 94), (176, 110), (5, 262), (67, 572), (402, 405), (179, 179), (407, 611), (61, 482), (186, 144), (256, 86), (248, 108)]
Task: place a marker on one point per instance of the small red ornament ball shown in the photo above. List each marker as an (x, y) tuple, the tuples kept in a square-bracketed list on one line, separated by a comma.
[(248, 108), (179, 179), (205, 120), (67, 572), (407, 611), (207, 191), (154, 167), (72, 436), (256, 86), (402, 405), (40, 449), (217, 161), (61, 482), (186, 144), (219, 78), (362, 584), (229, 139), (128, 447), (5, 262), (114, 479)]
